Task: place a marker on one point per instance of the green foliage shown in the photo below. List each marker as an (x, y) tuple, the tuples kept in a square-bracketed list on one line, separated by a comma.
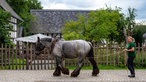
[(22, 8), (75, 29), (120, 36), (95, 26), (130, 21), (5, 27), (102, 23), (138, 32)]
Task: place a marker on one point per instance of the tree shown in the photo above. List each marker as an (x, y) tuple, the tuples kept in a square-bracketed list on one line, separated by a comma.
[(130, 21), (120, 26), (95, 26), (22, 8), (138, 32), (75, 29), (5, 27)]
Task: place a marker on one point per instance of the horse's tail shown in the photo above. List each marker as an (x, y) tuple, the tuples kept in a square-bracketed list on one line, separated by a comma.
[(91, 52)]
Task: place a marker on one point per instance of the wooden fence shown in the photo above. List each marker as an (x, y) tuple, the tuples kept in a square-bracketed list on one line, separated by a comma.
[(20, 57), (113, 55)]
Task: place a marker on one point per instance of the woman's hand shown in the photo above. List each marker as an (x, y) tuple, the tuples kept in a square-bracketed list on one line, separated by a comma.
[(129, 50), (125, 50)]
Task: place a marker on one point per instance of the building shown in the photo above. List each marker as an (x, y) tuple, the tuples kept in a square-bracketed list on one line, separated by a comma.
[(15, 19), (51, 22)]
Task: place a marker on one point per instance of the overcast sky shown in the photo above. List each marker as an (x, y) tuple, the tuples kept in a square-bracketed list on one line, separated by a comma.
[(139, 5)]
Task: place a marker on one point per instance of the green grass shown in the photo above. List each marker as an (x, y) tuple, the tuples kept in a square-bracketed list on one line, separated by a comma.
[(102, 67), (11, 67), (17, 64)]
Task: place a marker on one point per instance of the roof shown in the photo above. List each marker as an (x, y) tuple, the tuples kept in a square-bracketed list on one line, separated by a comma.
[(51, 21), (32, 38), (7, 8)]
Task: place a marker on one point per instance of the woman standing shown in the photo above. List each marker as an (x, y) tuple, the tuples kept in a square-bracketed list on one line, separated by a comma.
[(131, 55)]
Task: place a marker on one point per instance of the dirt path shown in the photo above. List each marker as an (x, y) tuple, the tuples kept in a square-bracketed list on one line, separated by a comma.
[(85, 76)]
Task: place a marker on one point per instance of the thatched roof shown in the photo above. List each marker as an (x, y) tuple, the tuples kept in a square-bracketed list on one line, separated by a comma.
[(7, 7), (51, 21)]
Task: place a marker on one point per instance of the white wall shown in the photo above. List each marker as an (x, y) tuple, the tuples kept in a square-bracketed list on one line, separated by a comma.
[(13, 33)]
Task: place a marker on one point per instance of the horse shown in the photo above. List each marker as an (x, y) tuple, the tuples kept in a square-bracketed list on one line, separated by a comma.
[(62, 49)]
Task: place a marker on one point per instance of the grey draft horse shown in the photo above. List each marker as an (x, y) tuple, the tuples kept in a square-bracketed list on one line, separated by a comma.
[(67, 49)]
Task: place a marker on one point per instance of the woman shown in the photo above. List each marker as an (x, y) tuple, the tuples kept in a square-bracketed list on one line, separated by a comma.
[(131, 55)]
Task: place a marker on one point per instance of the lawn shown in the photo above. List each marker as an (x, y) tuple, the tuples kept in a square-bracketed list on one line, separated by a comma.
[(104, 67)]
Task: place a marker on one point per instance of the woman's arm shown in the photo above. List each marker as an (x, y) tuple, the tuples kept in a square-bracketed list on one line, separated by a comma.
[(129, 50)]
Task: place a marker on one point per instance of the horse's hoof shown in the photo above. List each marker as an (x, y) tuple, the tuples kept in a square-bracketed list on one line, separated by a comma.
[(57, 73), (74, 74), (65, 71), (95, 72)]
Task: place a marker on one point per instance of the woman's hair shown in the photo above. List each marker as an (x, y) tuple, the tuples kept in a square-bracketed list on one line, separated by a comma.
[(133, 40)]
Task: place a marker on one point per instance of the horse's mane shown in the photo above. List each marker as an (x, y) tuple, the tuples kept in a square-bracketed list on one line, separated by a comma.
[(50, 39), (46, 39)]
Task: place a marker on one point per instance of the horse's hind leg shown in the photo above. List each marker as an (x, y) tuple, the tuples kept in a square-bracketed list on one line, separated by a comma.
[(93, 62), (95, 67), (76, 72)]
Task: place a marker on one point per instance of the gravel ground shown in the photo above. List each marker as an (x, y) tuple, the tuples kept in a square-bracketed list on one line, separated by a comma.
[(85, 76)]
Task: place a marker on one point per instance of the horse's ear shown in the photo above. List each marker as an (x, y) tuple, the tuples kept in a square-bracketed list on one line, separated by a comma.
[(38, 39)]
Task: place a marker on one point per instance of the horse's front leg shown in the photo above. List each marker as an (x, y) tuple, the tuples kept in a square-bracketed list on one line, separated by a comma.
[(76, 72), (57, 71), (59, 63)]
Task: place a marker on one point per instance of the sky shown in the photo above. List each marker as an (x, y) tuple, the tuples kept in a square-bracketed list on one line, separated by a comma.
[(139, 5)]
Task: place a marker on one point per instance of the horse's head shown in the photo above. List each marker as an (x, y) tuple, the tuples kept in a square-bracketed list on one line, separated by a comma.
[(43, 43), (39, 47)]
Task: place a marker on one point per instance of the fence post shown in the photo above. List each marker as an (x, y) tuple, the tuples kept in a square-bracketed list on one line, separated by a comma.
[(5, 56), (2, 57), (9, 52), (106, 53), (31, 55), (27, 58), (117, 56), (142, 56), (139, 53), (16, 56), (23, 56), (125, 54), (18, 52)]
